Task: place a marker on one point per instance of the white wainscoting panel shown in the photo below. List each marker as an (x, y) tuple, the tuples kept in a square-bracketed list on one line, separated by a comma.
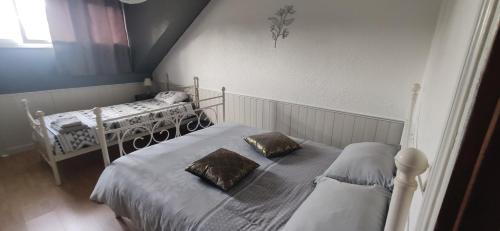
[(326, 126), (16, 133)]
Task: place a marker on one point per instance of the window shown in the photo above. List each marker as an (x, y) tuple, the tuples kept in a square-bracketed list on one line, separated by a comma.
[(23, 23)]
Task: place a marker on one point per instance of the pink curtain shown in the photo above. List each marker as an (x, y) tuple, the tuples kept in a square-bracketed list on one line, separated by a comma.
[(89, 36)]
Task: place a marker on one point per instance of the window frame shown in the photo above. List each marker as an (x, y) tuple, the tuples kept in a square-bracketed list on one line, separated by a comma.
[(26, 42)]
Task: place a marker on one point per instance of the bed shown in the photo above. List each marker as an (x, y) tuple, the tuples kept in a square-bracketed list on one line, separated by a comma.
[(55, 146), (63, 143), (151, 187)]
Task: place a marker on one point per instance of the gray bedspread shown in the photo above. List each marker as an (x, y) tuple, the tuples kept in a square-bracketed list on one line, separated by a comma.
[(151, 187)]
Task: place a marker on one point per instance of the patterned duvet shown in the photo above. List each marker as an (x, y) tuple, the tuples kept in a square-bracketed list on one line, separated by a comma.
[(79, 139)]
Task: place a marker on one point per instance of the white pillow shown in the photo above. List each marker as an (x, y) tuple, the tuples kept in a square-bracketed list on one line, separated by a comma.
[(172, 97), (334, 205)]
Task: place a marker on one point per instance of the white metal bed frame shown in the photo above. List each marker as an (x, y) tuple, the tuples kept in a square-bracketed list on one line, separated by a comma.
[(44, 146), (193, 121), (410, 162)]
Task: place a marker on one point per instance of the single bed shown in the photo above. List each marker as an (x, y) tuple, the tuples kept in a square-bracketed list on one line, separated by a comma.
[(55, 146), (69, 142), (151, 187)]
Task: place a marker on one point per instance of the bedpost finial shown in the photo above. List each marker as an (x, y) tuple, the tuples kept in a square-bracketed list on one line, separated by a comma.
[(196, 82), (40, 114), (223, 89), (25, 104), (411, 161), (416, 87), (97, 111)]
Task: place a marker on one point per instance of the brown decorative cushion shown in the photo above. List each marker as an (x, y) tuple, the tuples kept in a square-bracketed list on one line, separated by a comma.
[(223, 168), (272, 144)]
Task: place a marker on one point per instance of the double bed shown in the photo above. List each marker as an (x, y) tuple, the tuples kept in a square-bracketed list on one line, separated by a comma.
[(151, 187)]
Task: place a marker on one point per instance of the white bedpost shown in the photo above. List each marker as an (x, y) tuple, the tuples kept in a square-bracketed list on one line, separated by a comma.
[(46, 143), (224, 104), (196, 91), (410, 163), (410, 133), (101, 136), (27, 110)]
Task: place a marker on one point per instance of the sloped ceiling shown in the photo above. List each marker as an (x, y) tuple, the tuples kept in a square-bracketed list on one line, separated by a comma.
[(155, 25)]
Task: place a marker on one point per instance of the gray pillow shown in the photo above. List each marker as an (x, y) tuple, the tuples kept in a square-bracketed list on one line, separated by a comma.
[(367, 163), (334, 205)]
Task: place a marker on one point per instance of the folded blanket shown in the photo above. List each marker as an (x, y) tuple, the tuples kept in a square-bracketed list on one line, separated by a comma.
[(66, 122), (68, 129)]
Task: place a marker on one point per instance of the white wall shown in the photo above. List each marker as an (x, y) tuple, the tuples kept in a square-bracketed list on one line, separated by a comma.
[(446, 59), (16, 133), (353, 55)]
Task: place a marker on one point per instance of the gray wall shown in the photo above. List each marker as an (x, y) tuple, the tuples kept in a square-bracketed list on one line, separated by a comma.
[(33, 69), (155, 26)]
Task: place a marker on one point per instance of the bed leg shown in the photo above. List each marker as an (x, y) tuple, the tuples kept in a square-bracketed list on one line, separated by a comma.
[(102, 137), (47, 146), (55, 171)]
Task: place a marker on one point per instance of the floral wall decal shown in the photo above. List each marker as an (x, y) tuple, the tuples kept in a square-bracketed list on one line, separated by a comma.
[(280, 21)]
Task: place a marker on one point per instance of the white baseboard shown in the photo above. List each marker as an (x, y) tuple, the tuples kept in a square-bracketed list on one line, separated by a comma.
[(18, 149)]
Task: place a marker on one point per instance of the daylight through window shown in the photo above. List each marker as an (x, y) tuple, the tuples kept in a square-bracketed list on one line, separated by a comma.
[(23, 23)]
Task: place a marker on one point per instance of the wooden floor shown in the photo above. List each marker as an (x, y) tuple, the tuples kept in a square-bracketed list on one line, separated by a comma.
[(29, 199)]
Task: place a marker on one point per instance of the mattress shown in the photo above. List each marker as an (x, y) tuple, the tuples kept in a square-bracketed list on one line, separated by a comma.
[(63, 143), (151, 187)]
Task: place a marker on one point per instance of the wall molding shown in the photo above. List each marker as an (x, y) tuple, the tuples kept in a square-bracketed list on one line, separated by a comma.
[(16, 135), (327, 126), (18, 149), (339, 110)]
